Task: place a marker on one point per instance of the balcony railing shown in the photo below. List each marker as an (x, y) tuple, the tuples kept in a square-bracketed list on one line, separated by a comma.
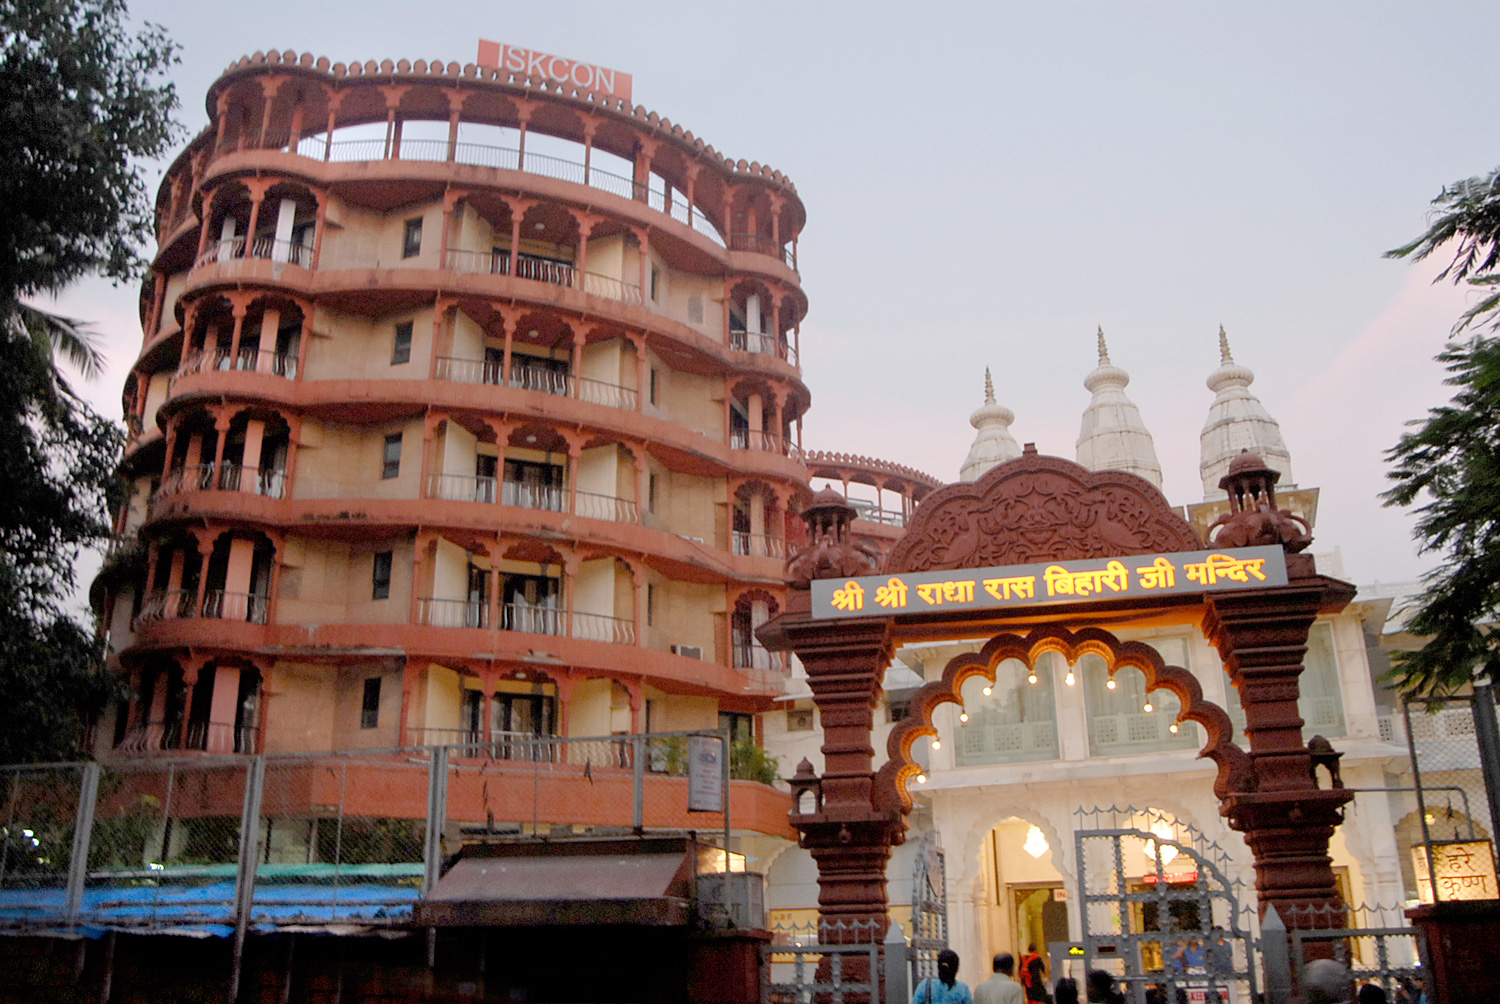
[(611, 395), (616, 510), (528, 496), (226, 606), (528, 747), (557, 273), (531, 619), (249, 361), (601, 627), (755, 657), (272, 484), (435, 612), (176, 734), (611, 288), (529, 376), (525, 376), (168, 604), (758, 545), (461, 487), (768, 442), (288, 252)]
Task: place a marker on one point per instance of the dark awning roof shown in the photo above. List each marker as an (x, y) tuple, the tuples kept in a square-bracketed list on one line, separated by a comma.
[(545, 883)]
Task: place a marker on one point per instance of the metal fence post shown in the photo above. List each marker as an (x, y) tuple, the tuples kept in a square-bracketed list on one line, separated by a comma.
[(725, 737), (897, 988), (244, 881), (1488, 735), (1276, 958), (437, 812), (83, 834), (638, 750)]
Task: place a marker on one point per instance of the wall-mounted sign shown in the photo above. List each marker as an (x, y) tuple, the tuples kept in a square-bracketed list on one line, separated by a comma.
[(1464, 869), (560, 69), (705, 771), (1131, 577)]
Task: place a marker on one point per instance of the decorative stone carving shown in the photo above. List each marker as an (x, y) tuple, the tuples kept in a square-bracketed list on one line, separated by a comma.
[(1236, 772), (1037, 508), (831, 552), (1253, 519)]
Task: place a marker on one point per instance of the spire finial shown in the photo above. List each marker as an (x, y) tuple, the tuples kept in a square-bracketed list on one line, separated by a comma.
[(1224, 357), (989, 387), (1103, 351)]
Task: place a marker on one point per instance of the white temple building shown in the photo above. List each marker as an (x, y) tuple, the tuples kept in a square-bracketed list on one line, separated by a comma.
[(1004, 786)]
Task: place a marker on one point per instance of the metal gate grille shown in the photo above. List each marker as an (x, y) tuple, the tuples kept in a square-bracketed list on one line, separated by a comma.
[(929, 907)]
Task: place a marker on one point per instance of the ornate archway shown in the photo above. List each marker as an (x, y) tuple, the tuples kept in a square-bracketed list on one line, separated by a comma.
[(1042, 555)]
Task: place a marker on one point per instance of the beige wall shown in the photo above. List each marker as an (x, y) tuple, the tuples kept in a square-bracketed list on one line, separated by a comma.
[(345, 461)]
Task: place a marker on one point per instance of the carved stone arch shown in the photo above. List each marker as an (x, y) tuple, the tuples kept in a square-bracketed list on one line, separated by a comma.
[(891, 791), (1060, 849), (1037, 508)]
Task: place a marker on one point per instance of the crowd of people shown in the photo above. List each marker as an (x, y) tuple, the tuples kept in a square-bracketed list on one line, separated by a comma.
[(1323, 982)]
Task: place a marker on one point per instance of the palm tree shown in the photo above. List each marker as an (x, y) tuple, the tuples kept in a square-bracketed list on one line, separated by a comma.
[(54, 337)]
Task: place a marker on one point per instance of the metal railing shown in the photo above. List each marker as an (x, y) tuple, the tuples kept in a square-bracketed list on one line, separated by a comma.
[(767, 442), (268, 248), (558, 273), (601, 627), (553, 498), (611, 395), (234, 477), (758, 545), (220, 604), (461, 487), (611, 288), (435, 612), (608, 507), (531, 619), (167, 604), (530, 376), (755, 657), (192, 734)]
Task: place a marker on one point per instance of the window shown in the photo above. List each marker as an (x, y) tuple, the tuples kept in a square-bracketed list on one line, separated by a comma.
[(411, 239), (655, 283), (741, 726), (390, 458), (652, 397), (381, 577), (369, 709), (799, 720), (898, 704), (1016, 720), (650, 604), (401, 348), (651, 493)]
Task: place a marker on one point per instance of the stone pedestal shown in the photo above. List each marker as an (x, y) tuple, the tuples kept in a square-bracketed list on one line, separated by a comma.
[(1463, 947)]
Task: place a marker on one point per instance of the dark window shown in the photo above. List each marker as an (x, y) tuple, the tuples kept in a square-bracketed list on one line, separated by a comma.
[(390, 459), (401, 348), (651, 493), (381, 577), (369, 709), (411, 240), (653, 387), (655, 282), (898, 704), (741, 726), (650, 603)]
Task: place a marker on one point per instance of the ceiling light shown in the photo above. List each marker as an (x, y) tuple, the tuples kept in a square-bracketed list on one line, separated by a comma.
[(1163, 831), (1148, 709), (1172, 728), (963, 716), (531, 438), (921, 778), (539, 226), (1036, 842), (988, 691), (1031, 678), (1071, 679), (1111, 683), (937, 743)]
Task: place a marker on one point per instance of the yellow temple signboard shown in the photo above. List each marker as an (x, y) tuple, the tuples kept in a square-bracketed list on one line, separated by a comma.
[(1130, 577), (1464, 870)]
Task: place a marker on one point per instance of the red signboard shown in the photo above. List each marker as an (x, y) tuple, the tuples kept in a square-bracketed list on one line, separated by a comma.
[(531, 63)]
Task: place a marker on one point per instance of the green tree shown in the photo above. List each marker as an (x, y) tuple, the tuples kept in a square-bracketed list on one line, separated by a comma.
[(80, 106), (1449, 464)]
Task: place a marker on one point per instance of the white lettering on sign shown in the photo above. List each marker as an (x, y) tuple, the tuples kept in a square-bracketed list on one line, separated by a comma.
[(560, 69)]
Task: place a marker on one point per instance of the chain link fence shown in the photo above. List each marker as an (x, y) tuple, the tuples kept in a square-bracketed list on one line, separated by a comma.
[(1449, 740), (225, 844)]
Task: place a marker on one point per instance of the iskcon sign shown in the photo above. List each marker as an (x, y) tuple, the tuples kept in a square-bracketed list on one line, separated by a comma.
[(559, 69), (1136, 577)]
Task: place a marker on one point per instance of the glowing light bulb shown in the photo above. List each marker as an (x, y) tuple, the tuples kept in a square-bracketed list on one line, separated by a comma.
[(921, 778), (1172, 728), (937, 743), (1032, 677), (963, 716), (988, 691), (1147, 708), (1111, 683), (1070, 679)]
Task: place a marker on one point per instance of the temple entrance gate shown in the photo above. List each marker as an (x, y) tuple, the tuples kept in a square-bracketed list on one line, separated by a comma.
[(929, 907), (1184, 931), (1041, 555)]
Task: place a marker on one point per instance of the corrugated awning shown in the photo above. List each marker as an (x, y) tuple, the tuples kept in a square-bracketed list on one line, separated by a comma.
[(543, 884)]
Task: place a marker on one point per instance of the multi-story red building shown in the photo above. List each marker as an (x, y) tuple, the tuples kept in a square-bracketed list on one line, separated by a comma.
[(468, 408)]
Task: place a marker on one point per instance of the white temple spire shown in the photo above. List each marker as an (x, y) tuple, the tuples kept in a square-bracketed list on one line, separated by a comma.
[(994, 444), (1113, 435), (1237, 421)]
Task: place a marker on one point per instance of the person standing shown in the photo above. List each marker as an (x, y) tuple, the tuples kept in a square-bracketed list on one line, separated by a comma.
[(1001, 988), (944, 988)]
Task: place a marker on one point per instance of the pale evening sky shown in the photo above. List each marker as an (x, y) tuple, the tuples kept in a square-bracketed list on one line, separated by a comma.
[(987, 183)]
